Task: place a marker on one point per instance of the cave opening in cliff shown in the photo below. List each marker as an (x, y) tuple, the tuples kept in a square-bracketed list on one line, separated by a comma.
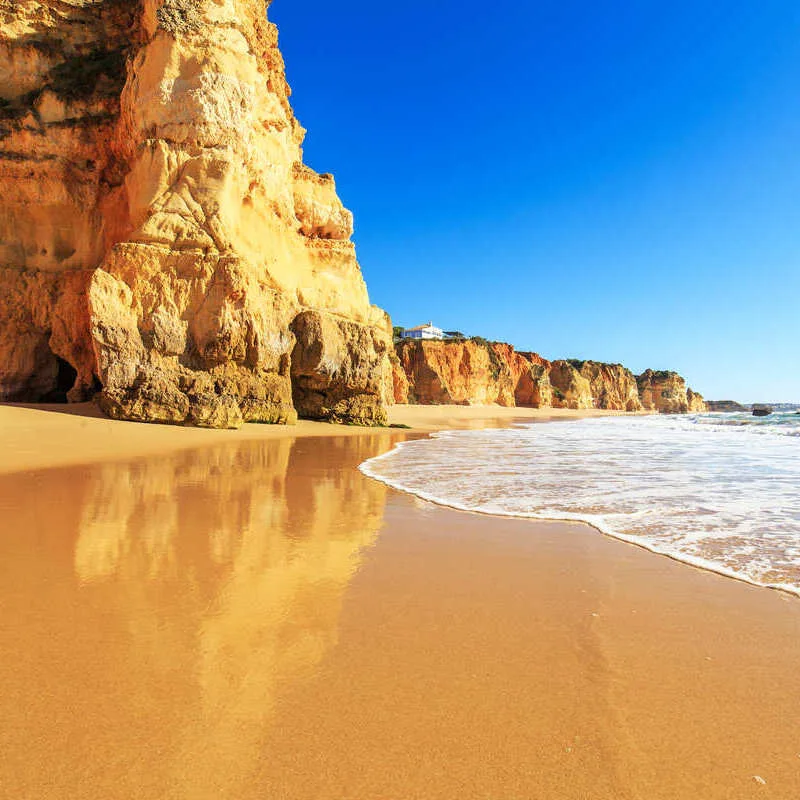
[(65, 380)]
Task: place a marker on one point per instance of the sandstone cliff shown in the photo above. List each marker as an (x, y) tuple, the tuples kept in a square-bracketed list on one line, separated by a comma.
[(469, 372), (535, 389), (695, 402), (667, 393), (454, 373), (477, 372), (161, 240), (570, 388), (400, 385), (612, 386)]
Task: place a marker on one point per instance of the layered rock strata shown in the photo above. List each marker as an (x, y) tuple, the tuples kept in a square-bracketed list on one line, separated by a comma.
[(477, 372), (161, 241)]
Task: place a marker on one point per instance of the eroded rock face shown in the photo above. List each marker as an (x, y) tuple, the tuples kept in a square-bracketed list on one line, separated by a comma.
[(476, 372), (44, 352), (612, 386), (521, 382), (337, 369), (570, 388), (159, 233), (470, 372), (459, 372), (534, 388), (399, 381), (667, 393), (696, 402)]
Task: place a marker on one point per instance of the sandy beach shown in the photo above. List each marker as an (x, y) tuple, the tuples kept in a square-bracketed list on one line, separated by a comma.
[(41, 436), (206, 614)]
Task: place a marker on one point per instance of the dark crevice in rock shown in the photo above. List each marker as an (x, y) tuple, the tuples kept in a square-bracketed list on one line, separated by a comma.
[(80, 77), (66, 376)]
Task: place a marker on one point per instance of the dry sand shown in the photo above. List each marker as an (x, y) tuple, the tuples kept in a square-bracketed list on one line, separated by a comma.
[(257, 619)]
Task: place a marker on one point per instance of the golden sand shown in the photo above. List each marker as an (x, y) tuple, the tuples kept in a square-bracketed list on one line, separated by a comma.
[(35, 437), (257, 619)]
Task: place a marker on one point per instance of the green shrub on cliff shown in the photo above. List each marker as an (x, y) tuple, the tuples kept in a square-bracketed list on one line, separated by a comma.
[(495, 363)]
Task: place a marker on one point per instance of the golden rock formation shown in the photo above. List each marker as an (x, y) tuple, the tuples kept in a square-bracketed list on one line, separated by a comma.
[(696, 402), (666, 392), (462, 372), (477, 372), (160, 237), (534, 388), (570, 388), (400, 385), (612, 386), (526, 373)]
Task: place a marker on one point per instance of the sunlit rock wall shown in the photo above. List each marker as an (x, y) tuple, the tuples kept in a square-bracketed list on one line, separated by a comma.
[(160, 237)]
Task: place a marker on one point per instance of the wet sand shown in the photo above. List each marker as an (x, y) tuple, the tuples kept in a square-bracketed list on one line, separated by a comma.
[(35, 437), (256, 619)]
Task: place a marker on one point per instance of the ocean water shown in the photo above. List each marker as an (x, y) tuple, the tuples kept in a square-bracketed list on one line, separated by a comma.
[(721, 491)]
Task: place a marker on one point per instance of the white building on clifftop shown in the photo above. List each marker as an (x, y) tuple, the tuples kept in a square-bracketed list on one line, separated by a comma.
[(424, 332)]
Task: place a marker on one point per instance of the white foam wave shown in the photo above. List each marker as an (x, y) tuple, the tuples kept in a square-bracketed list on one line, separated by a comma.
[(714, 496)]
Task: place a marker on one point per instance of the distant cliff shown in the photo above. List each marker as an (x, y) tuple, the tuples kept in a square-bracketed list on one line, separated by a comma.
[(727, 406), (607, 386), (468, 372), (667, 393), (477, 372)]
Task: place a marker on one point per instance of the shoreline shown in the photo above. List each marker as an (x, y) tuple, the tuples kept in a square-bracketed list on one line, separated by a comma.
[(42, 436), (703, 566), (81, 427), (71, 424)]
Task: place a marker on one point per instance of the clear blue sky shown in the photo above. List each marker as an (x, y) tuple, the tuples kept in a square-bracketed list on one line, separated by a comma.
[(619, 186)]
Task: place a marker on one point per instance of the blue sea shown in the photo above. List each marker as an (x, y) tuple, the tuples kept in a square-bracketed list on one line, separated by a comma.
[(720, 491)]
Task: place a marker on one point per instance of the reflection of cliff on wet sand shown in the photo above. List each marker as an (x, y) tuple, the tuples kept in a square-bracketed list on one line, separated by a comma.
[(207, 583)]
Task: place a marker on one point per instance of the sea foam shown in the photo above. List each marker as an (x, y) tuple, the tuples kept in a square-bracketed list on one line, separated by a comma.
[(720, 491)]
